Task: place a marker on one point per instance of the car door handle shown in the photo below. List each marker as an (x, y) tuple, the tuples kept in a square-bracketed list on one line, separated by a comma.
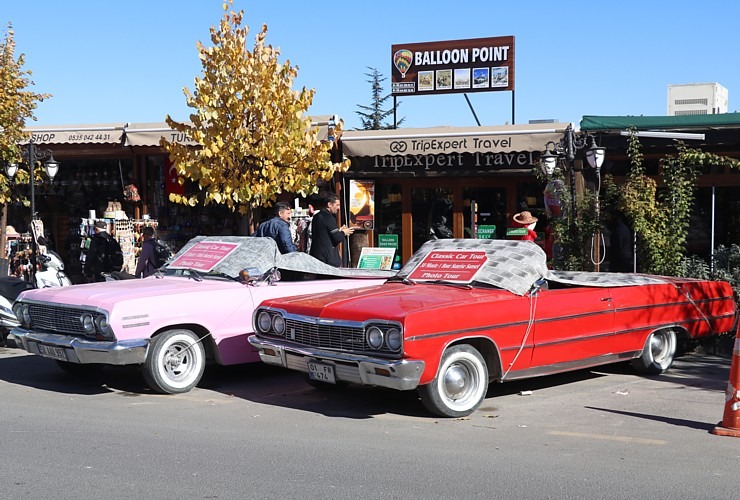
[(606, 299)]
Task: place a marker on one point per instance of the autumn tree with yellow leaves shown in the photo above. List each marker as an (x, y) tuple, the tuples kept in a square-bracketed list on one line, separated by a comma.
[(255, 138), (17, 105)]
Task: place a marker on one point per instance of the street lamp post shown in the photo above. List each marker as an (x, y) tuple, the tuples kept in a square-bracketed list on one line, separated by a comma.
[(567, 149), (33, 155)]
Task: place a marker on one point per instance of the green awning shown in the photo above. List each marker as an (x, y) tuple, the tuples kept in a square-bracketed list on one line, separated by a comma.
[(683, 122)]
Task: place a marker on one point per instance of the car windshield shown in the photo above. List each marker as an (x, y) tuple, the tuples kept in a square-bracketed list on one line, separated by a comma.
[(198, 275), (219, 257), (511, 265)]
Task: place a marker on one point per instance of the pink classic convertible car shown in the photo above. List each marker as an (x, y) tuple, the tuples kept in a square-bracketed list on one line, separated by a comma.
[(172, 323), (464, 313)]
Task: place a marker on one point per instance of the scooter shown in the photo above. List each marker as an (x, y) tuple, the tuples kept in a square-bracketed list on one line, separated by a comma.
[(51, 274)]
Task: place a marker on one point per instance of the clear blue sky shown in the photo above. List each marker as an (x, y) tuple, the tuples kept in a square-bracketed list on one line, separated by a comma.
[(128, 61)]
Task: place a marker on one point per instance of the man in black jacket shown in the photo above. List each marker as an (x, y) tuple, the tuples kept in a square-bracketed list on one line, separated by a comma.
[(104, 254), (325, 235)]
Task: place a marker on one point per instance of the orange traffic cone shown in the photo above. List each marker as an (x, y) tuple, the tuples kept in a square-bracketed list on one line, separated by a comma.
[(730, 425)]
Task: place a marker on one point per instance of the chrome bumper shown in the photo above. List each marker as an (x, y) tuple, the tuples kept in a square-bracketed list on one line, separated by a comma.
[(79, 350), (400, 374)]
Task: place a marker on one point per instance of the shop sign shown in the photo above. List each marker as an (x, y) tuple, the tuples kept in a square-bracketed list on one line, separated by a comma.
[(112, 134), (390, 241), (453, 66), (419, 164), (485, 232), (376, 258), (517, 231), (362, 204), (459, 266)]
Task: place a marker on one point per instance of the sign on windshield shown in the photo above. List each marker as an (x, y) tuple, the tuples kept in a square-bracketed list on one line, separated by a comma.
[(456, 266), (203, 256)]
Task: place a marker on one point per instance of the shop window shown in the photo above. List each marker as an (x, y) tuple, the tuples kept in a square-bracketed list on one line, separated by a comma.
[(388, 213), (486, 208), (431, 214)]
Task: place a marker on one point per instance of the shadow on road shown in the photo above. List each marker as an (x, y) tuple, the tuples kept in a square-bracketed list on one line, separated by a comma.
[(272, 385), (692, 424), (277, 386), (18, 367)]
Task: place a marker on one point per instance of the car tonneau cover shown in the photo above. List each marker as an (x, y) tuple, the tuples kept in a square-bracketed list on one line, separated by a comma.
[(262, 254), (516, 265)]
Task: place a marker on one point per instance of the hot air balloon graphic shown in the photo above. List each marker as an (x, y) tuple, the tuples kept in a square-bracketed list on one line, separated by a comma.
[(402, 59)]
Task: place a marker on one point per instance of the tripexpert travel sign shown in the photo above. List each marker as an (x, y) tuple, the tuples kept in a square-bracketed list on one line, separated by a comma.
[(473, 65)]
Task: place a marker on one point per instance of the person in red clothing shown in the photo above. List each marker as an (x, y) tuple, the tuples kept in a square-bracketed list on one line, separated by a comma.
[(526, 219)]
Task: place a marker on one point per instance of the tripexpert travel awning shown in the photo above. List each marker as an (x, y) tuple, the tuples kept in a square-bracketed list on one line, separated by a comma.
[(434, 140), (449, 150), (78, 134)]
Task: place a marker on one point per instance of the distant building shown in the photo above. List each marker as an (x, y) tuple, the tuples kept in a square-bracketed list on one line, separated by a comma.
[(697, 99)]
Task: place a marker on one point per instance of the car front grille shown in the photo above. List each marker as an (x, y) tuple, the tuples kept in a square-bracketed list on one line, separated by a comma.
[(57, 319), (330, 336)]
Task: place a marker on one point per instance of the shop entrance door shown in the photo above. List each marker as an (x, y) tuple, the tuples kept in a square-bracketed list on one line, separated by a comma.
[(431, 214), (484, 212)]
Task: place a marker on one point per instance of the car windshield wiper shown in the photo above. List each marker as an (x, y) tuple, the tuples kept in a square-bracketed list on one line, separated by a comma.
[(192, 273), (403, 279), (465, 286), (222, 275)]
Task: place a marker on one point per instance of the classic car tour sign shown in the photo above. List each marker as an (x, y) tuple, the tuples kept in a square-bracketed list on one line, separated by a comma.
[(473, 65), (203, 256), (456, 266)]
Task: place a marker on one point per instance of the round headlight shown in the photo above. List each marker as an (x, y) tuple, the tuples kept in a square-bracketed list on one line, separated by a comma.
[(23, 313), (278, 324), (26, 314), (263, 322), (88, 324), (374, 337), (101, 322), (393, 339)]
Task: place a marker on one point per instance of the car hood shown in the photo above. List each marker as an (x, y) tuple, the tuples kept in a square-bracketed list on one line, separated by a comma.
[(390, 301), (108, 293)]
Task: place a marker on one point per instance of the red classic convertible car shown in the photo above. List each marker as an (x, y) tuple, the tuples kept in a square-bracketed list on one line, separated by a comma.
[(464, 313)]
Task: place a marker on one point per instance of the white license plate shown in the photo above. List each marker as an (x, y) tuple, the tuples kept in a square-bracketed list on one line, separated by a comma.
[(52, 352), (321, 372)]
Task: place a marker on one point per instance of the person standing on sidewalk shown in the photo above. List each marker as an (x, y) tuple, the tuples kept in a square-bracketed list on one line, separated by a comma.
[(325, 235), (278, 228)]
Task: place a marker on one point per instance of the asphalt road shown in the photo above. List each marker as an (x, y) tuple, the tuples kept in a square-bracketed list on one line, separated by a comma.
[(261, 432)]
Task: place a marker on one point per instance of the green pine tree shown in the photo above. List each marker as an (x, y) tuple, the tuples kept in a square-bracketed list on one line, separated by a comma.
[(373, 116)]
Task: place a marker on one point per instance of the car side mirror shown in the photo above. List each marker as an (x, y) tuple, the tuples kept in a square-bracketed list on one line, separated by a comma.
[(540, 284), (250, 274), (271, 276), (253, 276)]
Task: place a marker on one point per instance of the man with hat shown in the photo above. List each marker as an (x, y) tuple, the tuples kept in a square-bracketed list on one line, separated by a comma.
[(104, 254), (526, 219)]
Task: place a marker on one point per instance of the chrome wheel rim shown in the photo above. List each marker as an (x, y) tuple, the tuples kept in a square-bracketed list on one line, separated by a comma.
[(178, 361), (460, 383), (661, 346)]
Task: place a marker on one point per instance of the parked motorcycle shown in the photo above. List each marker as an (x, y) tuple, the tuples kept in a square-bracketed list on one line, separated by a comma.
[(51, 274)]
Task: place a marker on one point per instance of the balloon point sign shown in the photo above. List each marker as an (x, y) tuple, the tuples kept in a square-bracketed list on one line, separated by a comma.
[(473, 65)]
